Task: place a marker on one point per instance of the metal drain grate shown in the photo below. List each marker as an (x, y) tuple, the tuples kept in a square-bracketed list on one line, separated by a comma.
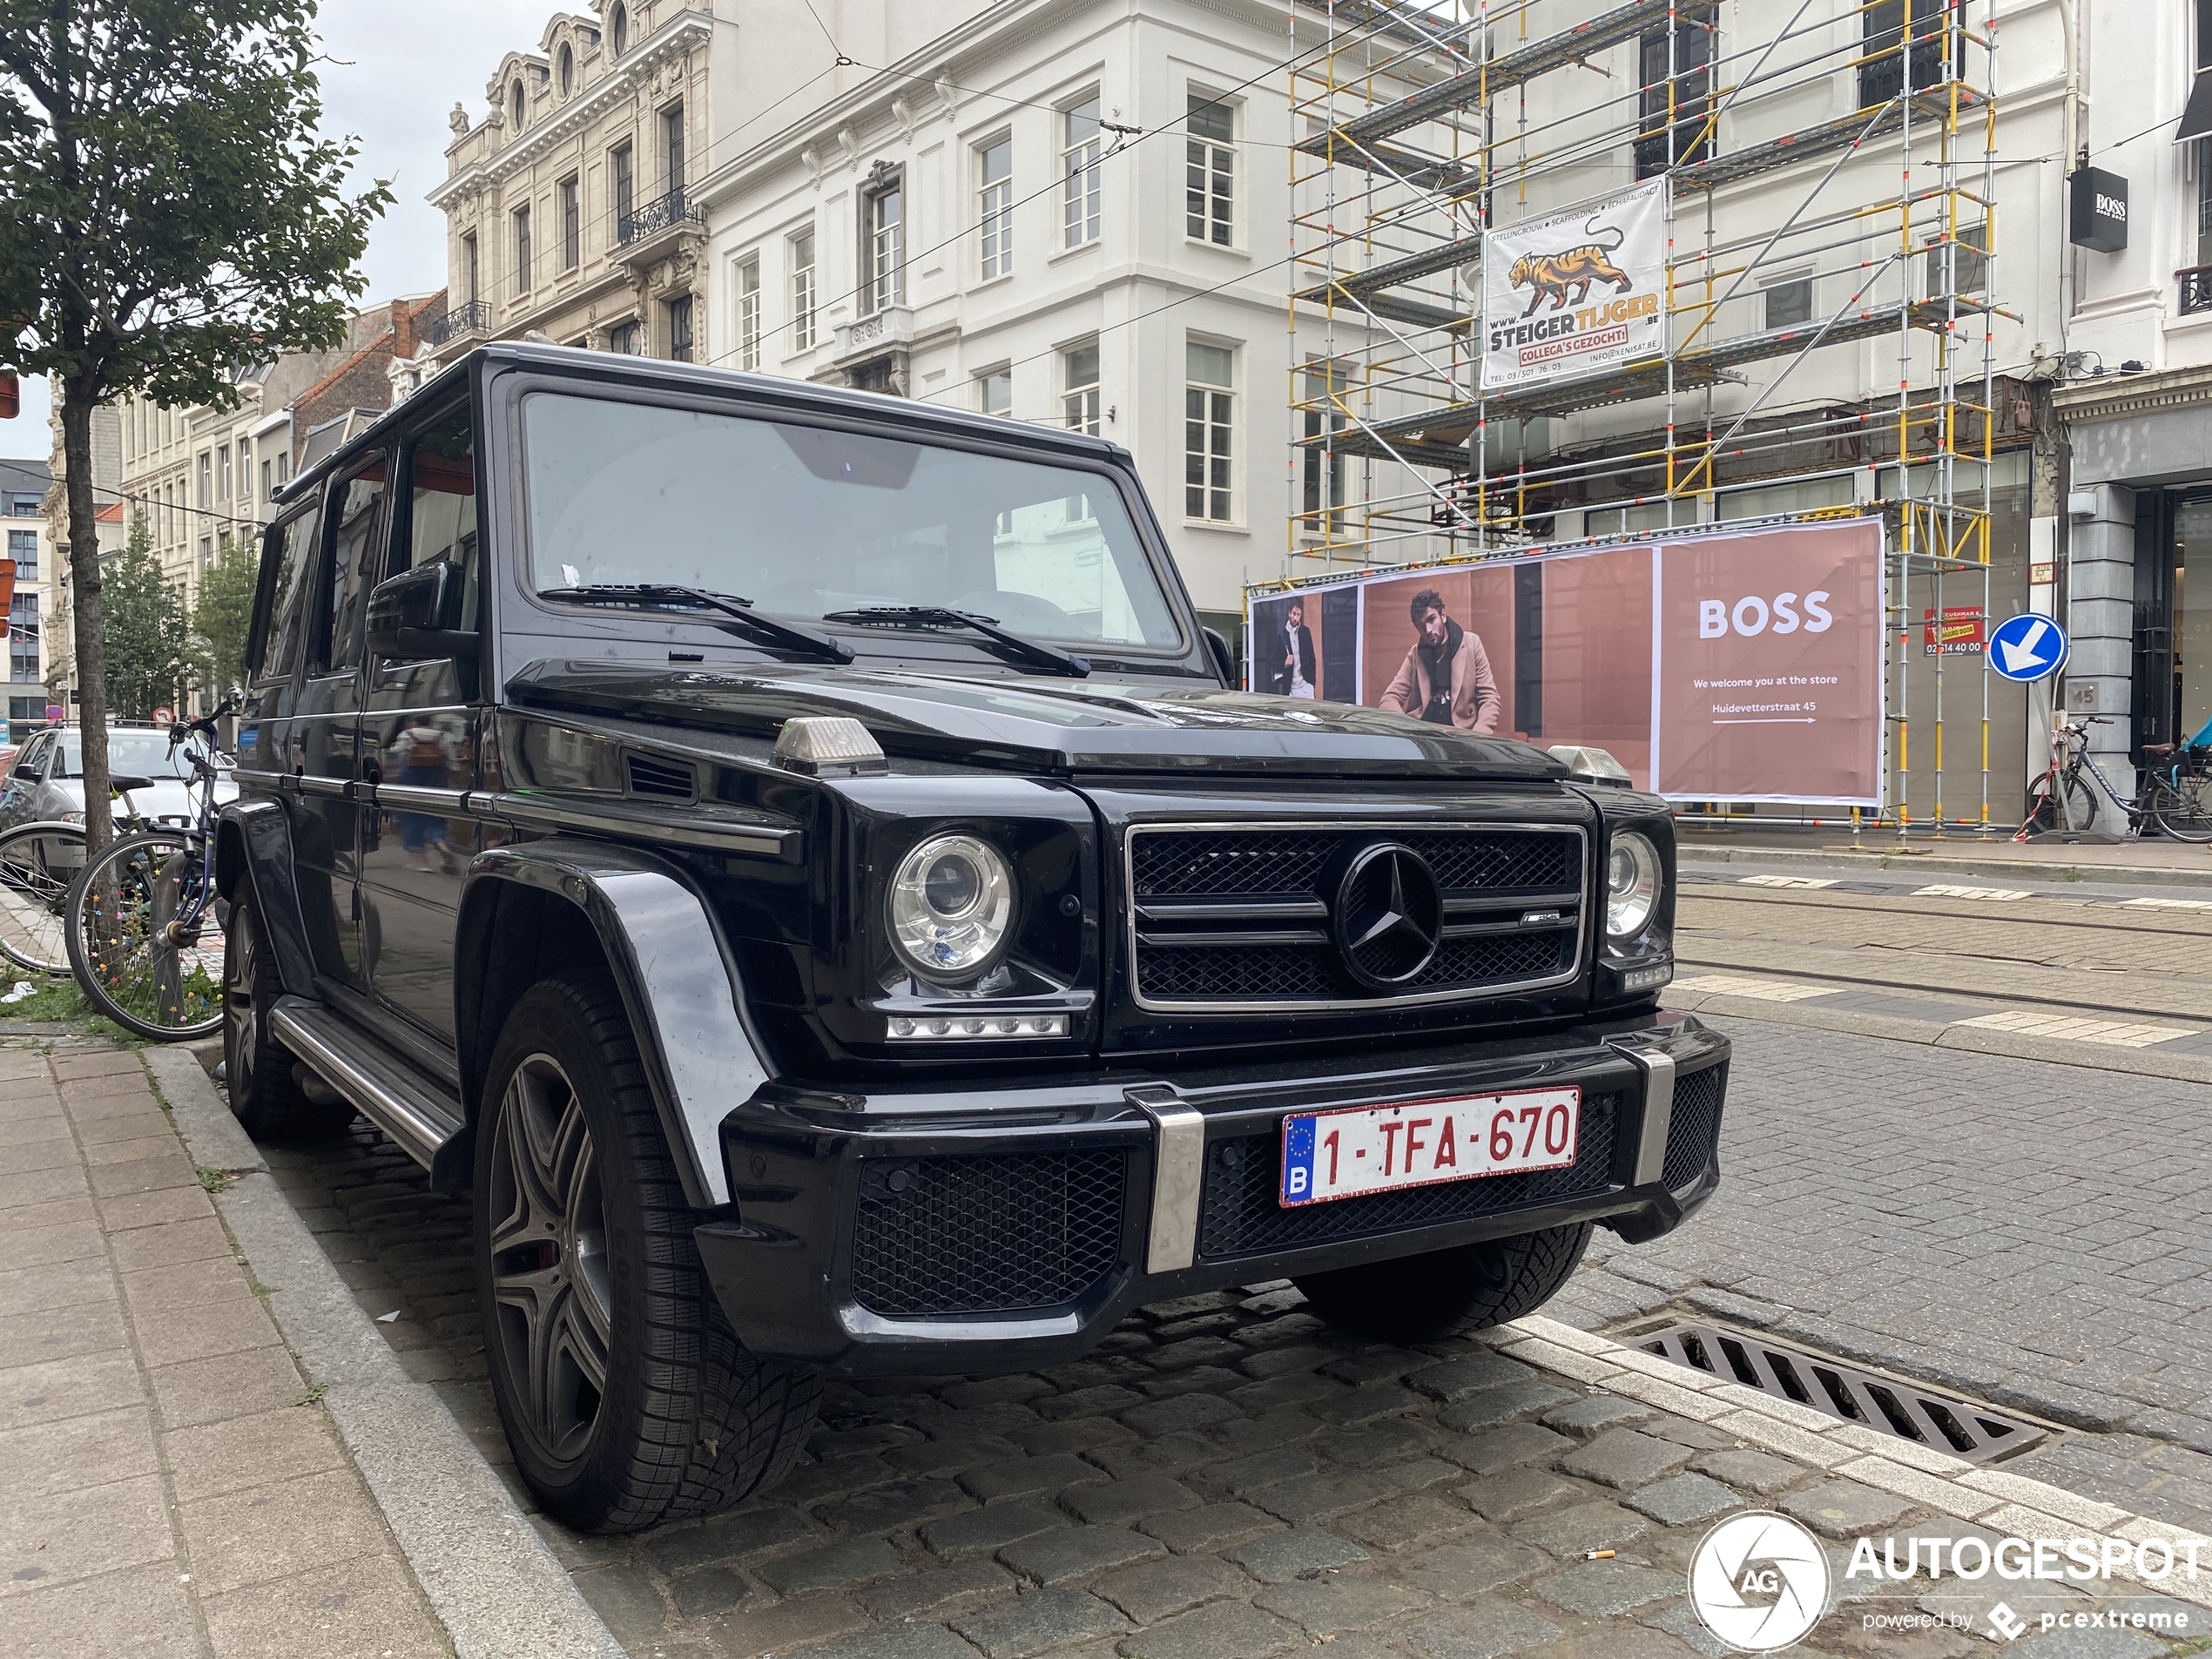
[(1886, 1405)]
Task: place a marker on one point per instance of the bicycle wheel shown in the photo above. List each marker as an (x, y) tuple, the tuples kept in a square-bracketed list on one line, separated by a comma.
[(2182, 807), (125, 954), (2044, 816), (37, 863)]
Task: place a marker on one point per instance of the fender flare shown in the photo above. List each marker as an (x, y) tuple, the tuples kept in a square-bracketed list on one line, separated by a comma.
[(675, 973), (254, 847)]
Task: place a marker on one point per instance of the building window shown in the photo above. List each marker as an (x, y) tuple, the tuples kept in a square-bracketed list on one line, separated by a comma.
[(572, 225), (883, 210), (268, 483), (802, 291), (994, 392), (206, 481), (518, 104), (1079, 157), (1324, 467), (1788, 302), (1972, 268), (749, 312), (1209, 416), (1209, 170), (621, 30), (1079, 388), (1882, 64), (622, 165), (679, 328), (521, 250), (1675, 110), (23, 548), (568, 68), (469, 268), (622, 339), (994, 206), (671, 150), (223, 472)]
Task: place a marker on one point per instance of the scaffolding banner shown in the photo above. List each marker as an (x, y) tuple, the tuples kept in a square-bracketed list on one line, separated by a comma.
[(1576, 289), (1729, 666)]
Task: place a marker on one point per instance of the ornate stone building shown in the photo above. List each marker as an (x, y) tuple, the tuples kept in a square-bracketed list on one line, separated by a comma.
[(569, 207)]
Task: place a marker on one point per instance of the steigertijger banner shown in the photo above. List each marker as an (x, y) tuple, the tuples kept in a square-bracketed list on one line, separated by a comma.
[(1575, 289), (1721, 666)]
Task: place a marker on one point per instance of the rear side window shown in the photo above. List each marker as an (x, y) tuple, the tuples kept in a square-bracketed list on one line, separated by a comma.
[(441, 506), (286, 556), (356, 548)]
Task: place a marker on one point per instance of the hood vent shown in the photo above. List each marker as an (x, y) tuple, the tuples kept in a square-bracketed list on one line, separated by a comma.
[(661, 779)]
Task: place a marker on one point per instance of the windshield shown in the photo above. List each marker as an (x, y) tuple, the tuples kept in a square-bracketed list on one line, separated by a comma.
[(135, 754), (804, 521)]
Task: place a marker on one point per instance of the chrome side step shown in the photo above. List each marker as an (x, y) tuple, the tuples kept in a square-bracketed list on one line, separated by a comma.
[(419, 1114)]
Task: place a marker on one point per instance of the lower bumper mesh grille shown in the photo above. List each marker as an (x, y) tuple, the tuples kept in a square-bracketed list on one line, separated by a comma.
[(935, 1237), (1694, 1132), (1241, 1213)]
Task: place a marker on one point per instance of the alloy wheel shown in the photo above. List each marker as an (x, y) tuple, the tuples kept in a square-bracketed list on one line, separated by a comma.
[(549, 1259)]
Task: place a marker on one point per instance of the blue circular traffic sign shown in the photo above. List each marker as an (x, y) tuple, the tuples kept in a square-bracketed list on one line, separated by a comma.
[(2027, 647)]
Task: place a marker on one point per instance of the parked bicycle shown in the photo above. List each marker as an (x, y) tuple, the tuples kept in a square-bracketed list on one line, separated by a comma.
[(39, 862), (2174, 796), (139, 926)]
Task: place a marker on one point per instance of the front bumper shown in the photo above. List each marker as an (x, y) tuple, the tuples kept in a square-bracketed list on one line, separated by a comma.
[(1011, 1229)]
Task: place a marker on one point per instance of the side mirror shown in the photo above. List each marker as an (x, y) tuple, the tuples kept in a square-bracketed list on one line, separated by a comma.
[(1225, 659), (411, 615)]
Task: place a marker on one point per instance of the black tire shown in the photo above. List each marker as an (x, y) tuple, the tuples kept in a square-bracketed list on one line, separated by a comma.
[(257, 1069), (1448, 1293), (2044, 814), (2182, 807), (118, 915), (590, 1244), (38, 862)]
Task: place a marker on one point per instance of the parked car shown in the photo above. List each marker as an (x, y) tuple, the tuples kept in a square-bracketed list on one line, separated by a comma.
[(46, 783), (796, 856)]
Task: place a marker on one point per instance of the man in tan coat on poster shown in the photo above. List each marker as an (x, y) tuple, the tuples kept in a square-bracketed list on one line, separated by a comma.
[(1445, 677)]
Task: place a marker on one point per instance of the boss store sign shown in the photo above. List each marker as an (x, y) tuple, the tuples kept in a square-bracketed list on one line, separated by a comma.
[(2098, 220)]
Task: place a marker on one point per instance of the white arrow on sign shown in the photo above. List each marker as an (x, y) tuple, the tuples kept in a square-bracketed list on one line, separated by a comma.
[(2025, 655)]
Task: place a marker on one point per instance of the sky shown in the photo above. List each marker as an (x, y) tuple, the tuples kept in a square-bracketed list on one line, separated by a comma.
[(400, 64)]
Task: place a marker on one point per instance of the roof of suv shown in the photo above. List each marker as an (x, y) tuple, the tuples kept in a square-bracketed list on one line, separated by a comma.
[(792, 396)]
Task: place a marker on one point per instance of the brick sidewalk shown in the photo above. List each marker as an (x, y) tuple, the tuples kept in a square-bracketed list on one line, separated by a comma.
[(167, 1485)]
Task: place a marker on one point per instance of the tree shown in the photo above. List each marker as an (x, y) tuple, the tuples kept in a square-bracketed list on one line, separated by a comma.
[(223, 614), (171, 213), (148, 660)]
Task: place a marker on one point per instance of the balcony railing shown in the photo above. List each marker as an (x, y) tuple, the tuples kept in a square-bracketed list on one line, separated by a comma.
[(663, 213), (2196, 288), (472, 317)]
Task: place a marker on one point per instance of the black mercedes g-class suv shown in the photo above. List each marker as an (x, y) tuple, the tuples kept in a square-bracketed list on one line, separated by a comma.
[(795, 856)]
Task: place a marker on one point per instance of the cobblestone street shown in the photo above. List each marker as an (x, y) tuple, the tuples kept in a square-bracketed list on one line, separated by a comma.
[(1225, 1477)]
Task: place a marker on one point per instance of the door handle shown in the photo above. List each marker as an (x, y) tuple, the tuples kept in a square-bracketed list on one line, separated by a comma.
[(371, 776)]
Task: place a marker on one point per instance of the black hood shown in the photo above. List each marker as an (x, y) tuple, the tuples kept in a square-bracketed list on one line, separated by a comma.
[(1039, 725)]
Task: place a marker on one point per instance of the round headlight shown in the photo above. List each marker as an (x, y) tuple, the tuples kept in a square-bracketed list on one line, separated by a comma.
[(1632, 879), (951, 903)]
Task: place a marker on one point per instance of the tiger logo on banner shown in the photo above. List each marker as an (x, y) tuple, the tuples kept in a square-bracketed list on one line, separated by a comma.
[(1576, 289)]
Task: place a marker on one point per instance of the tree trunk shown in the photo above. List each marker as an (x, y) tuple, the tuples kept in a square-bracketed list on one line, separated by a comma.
[(79, 400)]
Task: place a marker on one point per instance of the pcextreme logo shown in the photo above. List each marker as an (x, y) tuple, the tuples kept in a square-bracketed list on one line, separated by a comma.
[(1759, 1581)]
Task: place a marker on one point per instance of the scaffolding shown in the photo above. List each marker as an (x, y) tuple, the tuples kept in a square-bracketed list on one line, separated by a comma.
[(1793, 233)]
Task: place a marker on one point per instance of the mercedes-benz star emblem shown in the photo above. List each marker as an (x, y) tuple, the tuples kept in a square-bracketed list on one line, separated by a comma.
[(1388, 916)]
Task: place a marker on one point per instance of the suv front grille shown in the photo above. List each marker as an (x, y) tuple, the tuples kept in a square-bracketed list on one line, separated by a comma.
[(1242, 1214), (1239, 918), (1694, 1131), (944, 1236)]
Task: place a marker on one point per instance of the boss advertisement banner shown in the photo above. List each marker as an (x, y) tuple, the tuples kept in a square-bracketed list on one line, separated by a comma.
[(1727, 666), (1576, 289)]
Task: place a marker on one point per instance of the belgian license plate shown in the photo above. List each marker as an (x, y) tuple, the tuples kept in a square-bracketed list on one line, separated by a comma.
[(1381, 1149)]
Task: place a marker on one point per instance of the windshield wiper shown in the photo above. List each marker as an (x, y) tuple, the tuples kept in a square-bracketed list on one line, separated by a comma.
[(766, 629), (1031, 651)]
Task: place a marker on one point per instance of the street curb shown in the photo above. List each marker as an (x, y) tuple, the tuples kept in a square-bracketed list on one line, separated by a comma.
[(2014, 870), (491, 1579), (1992, 1498), (2009, 1045)]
